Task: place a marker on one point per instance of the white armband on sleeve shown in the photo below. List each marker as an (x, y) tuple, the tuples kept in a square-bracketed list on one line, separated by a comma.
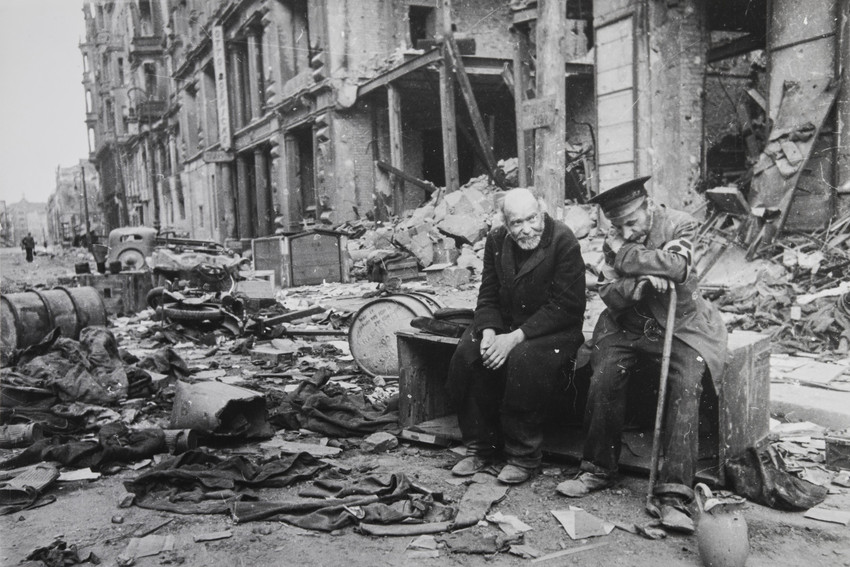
[(683, 248)]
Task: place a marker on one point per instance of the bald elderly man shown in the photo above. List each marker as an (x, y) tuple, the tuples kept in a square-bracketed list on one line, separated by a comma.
[(521, 346)]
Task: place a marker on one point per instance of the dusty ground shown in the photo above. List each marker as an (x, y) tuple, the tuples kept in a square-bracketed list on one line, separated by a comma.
[(47, 266), (87, 513)]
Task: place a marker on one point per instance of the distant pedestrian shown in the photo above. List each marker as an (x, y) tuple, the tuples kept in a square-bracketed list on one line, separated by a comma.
[(28, 244)]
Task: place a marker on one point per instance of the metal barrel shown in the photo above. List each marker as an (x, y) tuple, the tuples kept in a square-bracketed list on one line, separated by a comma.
[(27, 317), (371, 335)]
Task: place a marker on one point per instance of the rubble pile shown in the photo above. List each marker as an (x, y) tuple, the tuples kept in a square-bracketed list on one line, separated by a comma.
[(447, 230), (444, 237), (803, 299)]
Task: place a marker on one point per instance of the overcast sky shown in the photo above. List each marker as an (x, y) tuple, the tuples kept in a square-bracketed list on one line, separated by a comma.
[(42, 105)]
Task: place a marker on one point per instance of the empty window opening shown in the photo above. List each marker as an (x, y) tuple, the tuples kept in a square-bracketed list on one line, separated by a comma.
[(304, 174), (422, 23), (149, 70), (146, 17)]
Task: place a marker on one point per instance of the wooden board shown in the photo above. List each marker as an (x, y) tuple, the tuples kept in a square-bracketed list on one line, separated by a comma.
[(615, 101), (315, 258), (731, 422), (802, 102)]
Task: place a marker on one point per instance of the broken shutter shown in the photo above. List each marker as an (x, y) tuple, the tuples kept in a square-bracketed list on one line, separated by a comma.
[(615, 97)]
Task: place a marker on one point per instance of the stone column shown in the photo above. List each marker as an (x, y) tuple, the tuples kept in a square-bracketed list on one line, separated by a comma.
[(236, 66), (253, 77), (226, 194), (245, 222), (263, 195)]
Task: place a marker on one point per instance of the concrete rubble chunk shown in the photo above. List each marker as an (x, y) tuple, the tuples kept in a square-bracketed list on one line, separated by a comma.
[(578, 219), (453, 276), (379, 442), (469, 228)]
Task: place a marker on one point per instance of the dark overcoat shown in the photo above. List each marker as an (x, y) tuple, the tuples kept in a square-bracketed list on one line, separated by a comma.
[(698, 323), (546, 295)]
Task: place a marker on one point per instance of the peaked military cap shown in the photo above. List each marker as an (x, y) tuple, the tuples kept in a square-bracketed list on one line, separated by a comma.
[(622, 200)]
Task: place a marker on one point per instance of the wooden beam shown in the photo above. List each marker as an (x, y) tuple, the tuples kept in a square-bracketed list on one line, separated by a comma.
[(424, 185), (396, 145), (448, 121), (400, 71), (524, 138), (474, 114), (735, 47), (550, 151), (448, 116)]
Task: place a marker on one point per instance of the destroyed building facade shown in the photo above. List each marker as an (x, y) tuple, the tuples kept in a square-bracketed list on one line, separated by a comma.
[(66, 210), (232, 120)]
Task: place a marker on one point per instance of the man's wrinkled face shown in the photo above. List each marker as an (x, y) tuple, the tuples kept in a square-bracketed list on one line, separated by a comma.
[(635, 226), (525, 223)]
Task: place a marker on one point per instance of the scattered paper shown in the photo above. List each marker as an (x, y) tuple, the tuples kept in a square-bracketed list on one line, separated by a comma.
[(79, 474), (423, 542), (651, 530), (798, 428), (423, 554), (290, 448), (524, 551), (580, 525), (511, 525), (147, 546), (828, 515), (213, 536), (842, 479), (816, 372)]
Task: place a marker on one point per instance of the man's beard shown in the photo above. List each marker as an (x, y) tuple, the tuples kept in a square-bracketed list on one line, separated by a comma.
[(528, 242)]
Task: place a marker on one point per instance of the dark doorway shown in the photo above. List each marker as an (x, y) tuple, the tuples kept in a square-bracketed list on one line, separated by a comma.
[(304, 177), (432, 158)]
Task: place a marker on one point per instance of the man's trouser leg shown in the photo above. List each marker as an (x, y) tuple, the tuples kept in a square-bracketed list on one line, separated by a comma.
[(535, 370), (612, 359), (476, 393), (681, 418)]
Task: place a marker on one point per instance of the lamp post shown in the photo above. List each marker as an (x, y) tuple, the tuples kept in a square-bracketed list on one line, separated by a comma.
[(86, 206)]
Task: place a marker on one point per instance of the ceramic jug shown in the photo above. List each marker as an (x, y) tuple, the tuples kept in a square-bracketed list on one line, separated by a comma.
[(721, 530)]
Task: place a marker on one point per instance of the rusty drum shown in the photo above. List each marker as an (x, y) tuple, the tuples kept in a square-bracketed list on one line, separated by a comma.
[(371, 336)]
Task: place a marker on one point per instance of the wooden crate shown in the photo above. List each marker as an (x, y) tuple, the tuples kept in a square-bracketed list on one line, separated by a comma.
[(739, 418), (423, 362), (306, 258), (124, 293)]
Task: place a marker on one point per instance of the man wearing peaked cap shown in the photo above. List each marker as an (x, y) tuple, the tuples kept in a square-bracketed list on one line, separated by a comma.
[(648, 249)]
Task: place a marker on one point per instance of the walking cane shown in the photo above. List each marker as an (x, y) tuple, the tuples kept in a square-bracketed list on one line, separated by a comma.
[(662, 395)]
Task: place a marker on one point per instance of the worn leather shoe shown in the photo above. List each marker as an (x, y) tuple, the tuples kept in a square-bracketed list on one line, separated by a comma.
[(468, 466), (512, 474), (584, 484)]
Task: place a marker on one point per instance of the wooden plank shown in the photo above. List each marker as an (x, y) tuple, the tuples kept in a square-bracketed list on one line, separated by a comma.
[(615, 102), (807, 101), (424, 185), (474, 114), (396, 145), (525, 140), (423, 366), (448, 120), (738, 46), (615, 173), (538, 113), (550, 154), (614, 79), (400, 71), (786, 26)]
